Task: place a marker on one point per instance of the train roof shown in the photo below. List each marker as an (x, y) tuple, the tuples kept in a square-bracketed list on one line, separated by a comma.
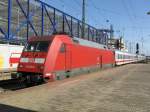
[(127, 53), (90, 43), (68, 40)]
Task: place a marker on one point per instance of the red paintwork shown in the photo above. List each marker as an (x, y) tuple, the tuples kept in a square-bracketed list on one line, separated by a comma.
[(76, 56), (31, 66), (125, 60), (14, 60)]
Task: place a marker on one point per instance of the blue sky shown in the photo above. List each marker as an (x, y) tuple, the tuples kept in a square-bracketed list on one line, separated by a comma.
[(128, 17)]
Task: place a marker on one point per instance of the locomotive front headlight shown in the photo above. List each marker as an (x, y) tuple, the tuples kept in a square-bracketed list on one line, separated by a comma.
[(39, 60), (24, 60)]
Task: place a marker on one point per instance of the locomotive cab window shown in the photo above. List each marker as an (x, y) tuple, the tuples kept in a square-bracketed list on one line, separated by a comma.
[(42, 46), (30, 46), (37, 46)]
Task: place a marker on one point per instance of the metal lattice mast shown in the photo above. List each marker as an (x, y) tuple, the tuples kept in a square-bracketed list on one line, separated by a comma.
[(83, 19)]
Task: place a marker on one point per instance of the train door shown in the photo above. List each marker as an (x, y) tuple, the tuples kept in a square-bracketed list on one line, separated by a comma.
[(68, 57), (100, 61)]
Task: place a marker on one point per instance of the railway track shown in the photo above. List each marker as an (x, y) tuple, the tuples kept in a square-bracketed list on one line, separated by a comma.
[(11, 85)]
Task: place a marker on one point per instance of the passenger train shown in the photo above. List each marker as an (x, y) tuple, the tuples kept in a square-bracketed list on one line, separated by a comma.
[(60, 56), (126, 58), (9, 59)]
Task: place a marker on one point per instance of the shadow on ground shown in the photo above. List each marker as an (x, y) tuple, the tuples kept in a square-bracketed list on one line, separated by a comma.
[(7, 108), (11, 85)]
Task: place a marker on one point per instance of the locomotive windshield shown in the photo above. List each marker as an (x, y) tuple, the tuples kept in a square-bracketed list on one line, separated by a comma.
[(37, 46)]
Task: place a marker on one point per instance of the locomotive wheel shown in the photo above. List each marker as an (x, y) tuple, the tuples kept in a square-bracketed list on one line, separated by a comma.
[(28, 82), (32, 81)]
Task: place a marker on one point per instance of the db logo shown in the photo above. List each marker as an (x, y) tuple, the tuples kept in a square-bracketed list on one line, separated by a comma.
[(31, 60)]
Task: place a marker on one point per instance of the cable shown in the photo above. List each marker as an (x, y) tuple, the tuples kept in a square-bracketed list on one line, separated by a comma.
[(104, 10), (132, 17)]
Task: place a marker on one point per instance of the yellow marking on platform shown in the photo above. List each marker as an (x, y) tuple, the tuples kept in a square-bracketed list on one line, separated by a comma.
[(1, 61)]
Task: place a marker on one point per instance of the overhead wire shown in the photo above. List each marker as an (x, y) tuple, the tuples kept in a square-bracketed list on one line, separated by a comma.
[(136, 26), (87, 18), (73, 7), (129, 15)]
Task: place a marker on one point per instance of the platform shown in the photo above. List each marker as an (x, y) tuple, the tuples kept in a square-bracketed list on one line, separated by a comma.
[(121, 89)]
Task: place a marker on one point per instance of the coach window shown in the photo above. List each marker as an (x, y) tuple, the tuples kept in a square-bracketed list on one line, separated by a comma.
[(118, 56), (121, 56), (63, 48)]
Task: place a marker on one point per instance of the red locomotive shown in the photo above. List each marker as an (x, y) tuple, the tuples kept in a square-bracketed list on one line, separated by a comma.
[(59, 56)]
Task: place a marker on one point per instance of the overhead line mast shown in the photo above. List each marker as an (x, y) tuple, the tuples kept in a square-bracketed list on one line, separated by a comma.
[(83, 19)]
